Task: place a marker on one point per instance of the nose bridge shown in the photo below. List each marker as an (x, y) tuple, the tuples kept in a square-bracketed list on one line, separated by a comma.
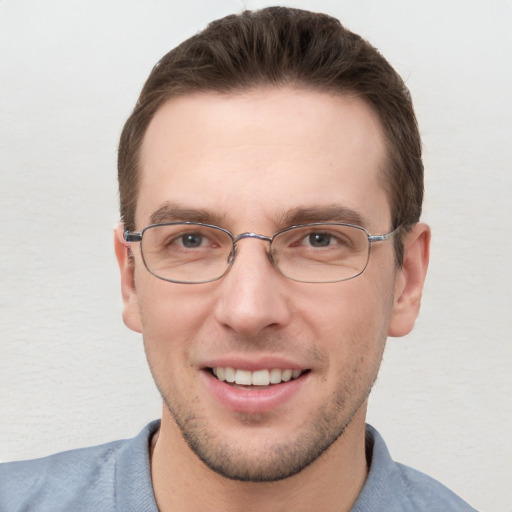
[(251, 298), (248, 234)]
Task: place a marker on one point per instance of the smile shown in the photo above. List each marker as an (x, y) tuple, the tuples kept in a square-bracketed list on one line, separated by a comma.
[(256, 378), (257, 390)]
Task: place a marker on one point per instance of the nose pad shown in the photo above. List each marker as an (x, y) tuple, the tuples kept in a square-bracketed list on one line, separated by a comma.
[(232, 255), (272, 260)]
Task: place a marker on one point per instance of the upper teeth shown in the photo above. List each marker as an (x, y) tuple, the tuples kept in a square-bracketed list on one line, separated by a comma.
[(257, 378)]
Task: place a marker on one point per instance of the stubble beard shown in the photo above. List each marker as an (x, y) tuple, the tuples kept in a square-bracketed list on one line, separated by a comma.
[(273, 462)]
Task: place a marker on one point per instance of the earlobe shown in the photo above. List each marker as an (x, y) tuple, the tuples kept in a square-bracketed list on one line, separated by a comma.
[(409, 280), (131, 312)]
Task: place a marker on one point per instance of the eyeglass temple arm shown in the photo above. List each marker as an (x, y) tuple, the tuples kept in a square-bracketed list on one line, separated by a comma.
[(131, 236), (385, 236)]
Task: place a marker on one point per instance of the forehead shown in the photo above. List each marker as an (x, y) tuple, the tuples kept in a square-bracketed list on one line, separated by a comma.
[(259, 154)]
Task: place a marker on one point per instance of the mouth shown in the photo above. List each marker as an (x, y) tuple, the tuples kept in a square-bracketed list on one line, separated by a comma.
[(256, 390), (258, 379)]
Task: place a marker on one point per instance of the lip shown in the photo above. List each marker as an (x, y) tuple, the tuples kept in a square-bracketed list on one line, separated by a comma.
[(253, 401), (253, 364)]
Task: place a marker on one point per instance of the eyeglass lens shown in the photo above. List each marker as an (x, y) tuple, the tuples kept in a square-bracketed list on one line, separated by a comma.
[(194, 253)]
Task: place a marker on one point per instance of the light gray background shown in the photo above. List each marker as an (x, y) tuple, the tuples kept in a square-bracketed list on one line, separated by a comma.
[(72, 375)]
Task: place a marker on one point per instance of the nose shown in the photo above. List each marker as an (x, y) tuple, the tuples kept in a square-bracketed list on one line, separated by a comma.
[(252, 295)]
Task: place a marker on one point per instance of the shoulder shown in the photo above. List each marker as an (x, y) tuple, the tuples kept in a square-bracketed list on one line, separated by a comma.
[(426, 493), (394, 487), (58, 480), (81, 480)]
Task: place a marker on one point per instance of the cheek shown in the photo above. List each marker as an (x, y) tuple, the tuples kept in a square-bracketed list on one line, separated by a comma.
[(356, 342), (349, 321), (357, 304), (168, 326), (171, 314)]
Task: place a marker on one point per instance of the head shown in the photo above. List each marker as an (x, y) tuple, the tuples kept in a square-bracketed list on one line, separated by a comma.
[(268, 120), (279, 46)]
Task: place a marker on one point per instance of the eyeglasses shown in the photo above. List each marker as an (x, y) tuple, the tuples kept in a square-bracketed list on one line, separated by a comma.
[(192, 252)]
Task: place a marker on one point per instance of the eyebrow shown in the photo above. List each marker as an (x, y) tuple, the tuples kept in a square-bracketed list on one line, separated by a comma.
[(172, 212), (332, 213)]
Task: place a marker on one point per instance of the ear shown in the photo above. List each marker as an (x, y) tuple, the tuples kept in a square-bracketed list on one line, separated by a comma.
[(131, 311), (409, 280)]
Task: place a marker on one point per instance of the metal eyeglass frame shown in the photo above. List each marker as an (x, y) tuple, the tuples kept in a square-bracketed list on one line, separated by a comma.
[(136, 236)]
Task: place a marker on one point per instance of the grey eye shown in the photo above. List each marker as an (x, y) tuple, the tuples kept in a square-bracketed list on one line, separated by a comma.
[(192, 240), (319, 239)]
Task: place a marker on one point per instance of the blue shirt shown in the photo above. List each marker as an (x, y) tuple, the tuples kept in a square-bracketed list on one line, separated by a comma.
[(115, 477)]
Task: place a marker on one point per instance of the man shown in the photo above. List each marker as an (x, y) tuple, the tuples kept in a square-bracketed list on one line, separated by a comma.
[(271, 185)]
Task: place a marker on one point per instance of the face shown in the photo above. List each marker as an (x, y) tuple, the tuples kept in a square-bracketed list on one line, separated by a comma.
[(251, 162)]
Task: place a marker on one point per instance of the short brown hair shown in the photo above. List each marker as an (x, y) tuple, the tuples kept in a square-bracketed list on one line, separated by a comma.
[(282, 46)]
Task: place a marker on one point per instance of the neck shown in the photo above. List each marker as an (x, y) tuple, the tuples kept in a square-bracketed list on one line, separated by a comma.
[(181, 481)]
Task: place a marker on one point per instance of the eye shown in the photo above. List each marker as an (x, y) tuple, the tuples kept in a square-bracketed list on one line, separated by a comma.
[(326, 239), (319, 239), (192, 240)]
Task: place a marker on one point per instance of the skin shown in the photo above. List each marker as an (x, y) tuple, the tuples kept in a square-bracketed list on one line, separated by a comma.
[(247, 160)]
